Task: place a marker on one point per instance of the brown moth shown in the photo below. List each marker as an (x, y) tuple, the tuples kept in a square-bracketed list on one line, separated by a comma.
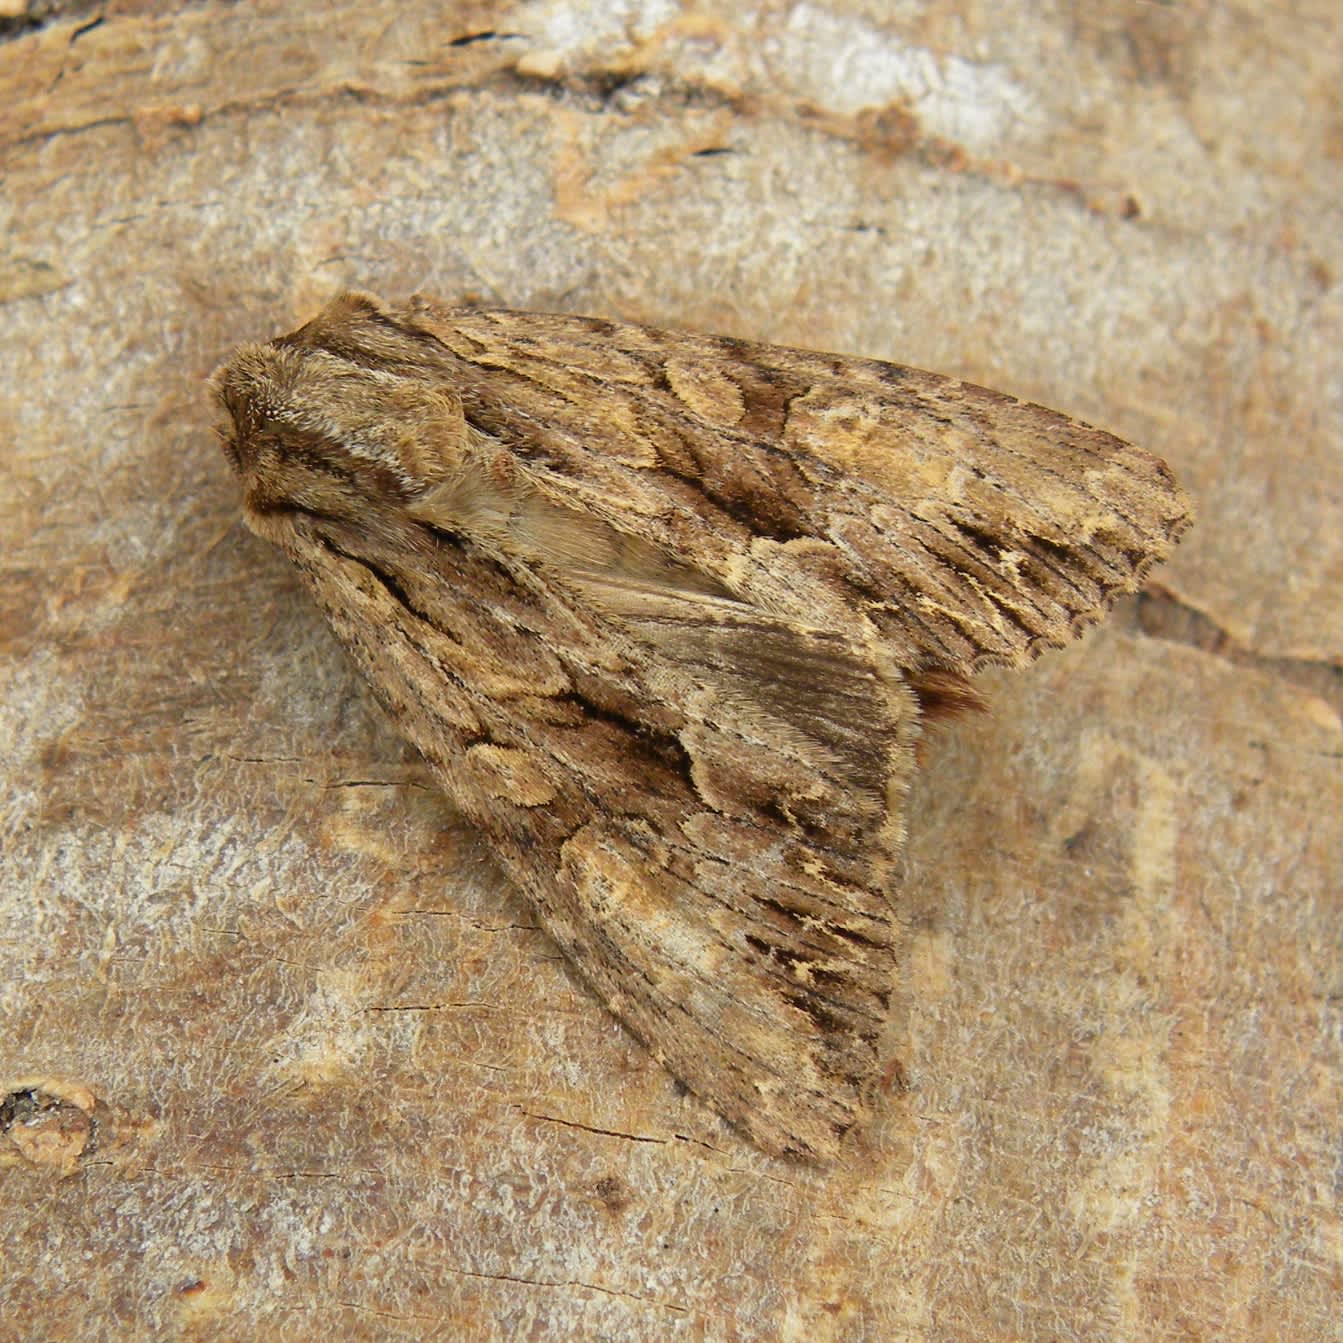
[(665, 614)]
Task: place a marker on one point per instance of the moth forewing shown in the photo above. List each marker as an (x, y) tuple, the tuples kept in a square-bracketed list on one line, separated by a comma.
[(665, 613)]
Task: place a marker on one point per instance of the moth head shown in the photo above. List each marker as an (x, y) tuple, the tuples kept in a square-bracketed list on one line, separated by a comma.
[(315, 431)]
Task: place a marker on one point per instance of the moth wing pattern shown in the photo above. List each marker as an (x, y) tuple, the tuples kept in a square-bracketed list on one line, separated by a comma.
[(705, 846), (966, 527), (664, 613)]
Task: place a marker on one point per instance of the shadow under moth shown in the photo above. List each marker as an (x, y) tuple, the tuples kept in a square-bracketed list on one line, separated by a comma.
[(666, 614)]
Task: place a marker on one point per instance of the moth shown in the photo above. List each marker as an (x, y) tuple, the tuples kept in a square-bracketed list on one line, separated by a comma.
[(666, 615)]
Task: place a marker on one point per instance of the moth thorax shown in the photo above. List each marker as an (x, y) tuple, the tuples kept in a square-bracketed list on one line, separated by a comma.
[(416, 433)]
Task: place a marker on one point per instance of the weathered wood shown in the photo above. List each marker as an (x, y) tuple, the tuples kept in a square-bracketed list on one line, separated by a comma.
[(284, 1055)]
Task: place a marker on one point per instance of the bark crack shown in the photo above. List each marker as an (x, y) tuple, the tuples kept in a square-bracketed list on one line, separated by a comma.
[(1159, 613)]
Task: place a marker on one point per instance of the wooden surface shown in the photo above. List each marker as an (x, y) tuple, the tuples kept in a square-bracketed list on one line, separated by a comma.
[(283, 1056)]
